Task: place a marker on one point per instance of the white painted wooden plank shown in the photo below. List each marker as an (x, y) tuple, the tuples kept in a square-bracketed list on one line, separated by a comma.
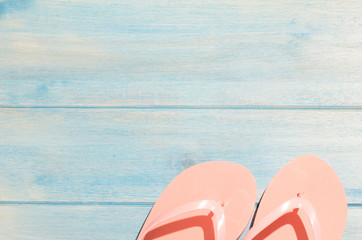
[(70, 222), (354, 224), (150, 92), (29, 222), (194, 52), (132, 154)]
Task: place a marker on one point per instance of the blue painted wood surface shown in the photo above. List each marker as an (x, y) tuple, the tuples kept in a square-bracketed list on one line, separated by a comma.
[(110, 154), (103, 103)]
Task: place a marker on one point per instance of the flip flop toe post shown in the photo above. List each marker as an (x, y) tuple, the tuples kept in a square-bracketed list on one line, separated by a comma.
[(212, 200)]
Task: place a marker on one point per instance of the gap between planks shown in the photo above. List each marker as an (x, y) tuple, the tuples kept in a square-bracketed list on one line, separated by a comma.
[(192, 107)]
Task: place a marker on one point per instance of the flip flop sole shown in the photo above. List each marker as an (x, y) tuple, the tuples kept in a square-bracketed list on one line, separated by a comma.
[(227, 182), (313, 178)]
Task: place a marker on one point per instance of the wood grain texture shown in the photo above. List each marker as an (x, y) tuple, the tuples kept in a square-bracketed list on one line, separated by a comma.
[(228, 52), (96, 222), (71, 222), (103, 103), (131, 155)]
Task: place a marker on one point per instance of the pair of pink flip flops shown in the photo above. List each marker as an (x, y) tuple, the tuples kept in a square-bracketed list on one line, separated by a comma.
[(216, 200)]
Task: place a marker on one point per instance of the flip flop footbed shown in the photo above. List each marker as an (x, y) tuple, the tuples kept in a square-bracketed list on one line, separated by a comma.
[(316, 181), (226, 182)]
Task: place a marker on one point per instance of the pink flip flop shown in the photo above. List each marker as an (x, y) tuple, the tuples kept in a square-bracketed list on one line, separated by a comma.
[(212, 200), (305, 200)]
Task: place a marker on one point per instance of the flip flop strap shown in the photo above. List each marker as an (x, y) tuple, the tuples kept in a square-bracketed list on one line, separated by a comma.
[(193, 208), (299, 203)]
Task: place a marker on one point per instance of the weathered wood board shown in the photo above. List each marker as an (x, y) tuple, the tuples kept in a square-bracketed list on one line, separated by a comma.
[(43, 222), (194, 52), (131, 155)]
